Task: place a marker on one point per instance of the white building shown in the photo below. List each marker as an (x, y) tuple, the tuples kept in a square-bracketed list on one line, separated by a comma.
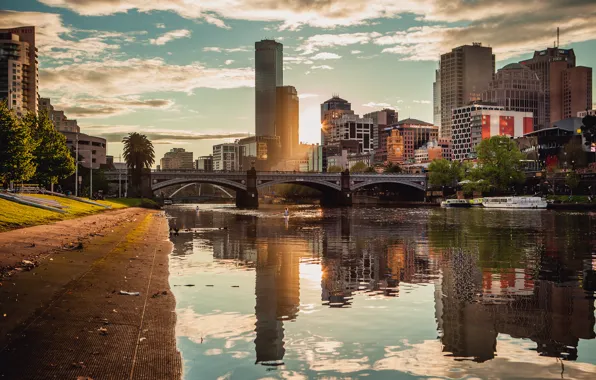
[(351, 127), (461, 133), (583, 114), (226, 157)]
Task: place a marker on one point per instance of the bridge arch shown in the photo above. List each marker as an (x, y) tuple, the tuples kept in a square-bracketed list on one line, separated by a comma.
[(226, 183), (310, 182), (379, 181)]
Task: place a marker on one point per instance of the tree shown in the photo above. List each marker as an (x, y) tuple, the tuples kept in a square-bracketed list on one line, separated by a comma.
[(498, 163), (445, 173), (573, 154), (393, 168), (358, 167), (572, 180), (334, 169), (52, 157), (370, 169), (16, 157), (138, 154)]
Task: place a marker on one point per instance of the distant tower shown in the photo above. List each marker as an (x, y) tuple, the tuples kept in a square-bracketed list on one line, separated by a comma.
[(268, 76)]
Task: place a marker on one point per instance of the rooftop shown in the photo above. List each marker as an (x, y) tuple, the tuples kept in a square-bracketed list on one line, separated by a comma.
[(414, 122)]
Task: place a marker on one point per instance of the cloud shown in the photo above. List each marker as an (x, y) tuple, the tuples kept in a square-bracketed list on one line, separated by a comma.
[(107, 107), (325, 56), (306, 96), (229, 61), (421, 101), (322, 67), (160, 26), (170, 36), (315, 43), (356, 52), (158, 135), (216, 49), (57, 42), (129, 77), (378, 105)]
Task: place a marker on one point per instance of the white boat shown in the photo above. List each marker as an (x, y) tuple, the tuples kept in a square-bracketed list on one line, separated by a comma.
[(514, 202), (456, 203)]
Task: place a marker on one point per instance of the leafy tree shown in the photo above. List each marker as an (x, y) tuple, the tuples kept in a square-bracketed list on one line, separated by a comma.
[(53, 159), (370, 169), (498, 163), (334, 169), (574, 154), (138, 154), (445, 173), (572, 180), (358, 167), (16, 157), (393, 168)]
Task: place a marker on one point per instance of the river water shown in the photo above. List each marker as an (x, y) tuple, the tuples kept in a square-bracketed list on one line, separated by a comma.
[(384, 293)]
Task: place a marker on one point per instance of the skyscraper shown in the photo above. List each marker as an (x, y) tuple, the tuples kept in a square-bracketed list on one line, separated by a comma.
[(464, 75), (18, 69), (517, 88), (330, 110), (437, 99), (268, 76), (287, 120)]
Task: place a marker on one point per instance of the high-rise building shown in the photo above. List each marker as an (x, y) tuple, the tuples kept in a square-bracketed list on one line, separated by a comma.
[(330, 110), (287, 120), (61, 122), (517, 88), (268, 76), (204, 163), (437, 99), (464, 75), (18, 69), (226, 157), (567, 88), (381, 119), (177, 158), (349, 127)]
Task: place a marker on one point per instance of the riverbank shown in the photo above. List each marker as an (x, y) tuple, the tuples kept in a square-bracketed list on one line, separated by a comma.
[(15, 215), (61, 314)]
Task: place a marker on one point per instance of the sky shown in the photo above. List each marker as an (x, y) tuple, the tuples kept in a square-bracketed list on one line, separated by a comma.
[(181, 71)]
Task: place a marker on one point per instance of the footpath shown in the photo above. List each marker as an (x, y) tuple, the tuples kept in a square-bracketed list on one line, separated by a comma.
[(62, 314)]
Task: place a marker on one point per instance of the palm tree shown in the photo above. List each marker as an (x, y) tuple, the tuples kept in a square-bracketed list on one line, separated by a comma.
[(139, 155)]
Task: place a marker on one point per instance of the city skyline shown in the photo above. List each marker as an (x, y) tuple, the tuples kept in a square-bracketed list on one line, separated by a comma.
[(94, 60)]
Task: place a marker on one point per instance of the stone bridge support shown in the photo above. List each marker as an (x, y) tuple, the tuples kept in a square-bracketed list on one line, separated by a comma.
[(342, 198), (249, 199)]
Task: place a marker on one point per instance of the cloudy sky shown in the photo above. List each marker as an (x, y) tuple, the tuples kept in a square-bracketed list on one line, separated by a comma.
[(181, 71)]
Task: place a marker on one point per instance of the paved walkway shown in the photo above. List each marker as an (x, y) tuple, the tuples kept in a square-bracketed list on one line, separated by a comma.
[(65, 319)]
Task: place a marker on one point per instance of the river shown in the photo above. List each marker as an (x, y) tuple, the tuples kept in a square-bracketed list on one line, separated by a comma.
[(384, 293)]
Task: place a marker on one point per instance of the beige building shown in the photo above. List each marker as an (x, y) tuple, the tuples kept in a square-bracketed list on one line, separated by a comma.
[(464, 74), (177, 158), (19, 80), (61, 122)]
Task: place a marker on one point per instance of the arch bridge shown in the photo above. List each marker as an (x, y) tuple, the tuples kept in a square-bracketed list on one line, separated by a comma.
[(337, 188)]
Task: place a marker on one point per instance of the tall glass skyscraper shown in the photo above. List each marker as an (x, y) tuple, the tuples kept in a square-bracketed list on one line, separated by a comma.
[(268, 76)]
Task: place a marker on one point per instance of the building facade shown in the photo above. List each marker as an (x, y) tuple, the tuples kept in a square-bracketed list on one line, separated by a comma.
[(19, 79), (349, 127), (177, 158), (461, 137), (577, 92), (61, 122), (464, 75), (92, 149), (330, 110), (287, 121), (268, 76), (226, 157), (416, 133), (437, 99), (485, 124), (315, 158), (428, 153), (517, 88), (204, 163), (583, 114), (381, 120), (262, 152), (395, 146)]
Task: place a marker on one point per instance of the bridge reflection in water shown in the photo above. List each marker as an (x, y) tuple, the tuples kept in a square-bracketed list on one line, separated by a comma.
[(488, 277)]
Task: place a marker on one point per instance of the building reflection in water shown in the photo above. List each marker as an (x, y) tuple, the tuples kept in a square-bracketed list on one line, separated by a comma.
[(543, 292)]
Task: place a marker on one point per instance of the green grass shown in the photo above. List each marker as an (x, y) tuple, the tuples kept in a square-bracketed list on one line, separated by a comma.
[(14, 215)]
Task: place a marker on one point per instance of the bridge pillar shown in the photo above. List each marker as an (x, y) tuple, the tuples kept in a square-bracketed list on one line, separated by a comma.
[(342, 198), (250, 197)]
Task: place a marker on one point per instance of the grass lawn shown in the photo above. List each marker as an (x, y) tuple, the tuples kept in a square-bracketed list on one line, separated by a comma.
[(14, 215)]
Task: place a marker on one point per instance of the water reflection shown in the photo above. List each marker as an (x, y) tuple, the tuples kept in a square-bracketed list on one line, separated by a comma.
[(526, 275)]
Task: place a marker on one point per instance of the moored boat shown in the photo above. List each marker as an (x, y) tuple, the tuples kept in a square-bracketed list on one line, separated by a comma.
[(514, 202), (455, 203), (476, 202)]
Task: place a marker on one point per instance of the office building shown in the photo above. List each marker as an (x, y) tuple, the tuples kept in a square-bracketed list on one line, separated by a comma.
[(381, 120), (92, 149), (287, 120), (226, 157), (315, 158), (437, 99), (464, 75), (461, 135), (395, 147), (351, 127), (61, 122), (414, 134), (428, 153), (262, 152), (517, 88), (177, 158), (330, 110), (204, 163), (19, 80), (567, 88), (268, 76)]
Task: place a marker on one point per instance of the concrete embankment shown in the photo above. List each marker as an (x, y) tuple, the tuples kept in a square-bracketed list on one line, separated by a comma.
[(61, 312)]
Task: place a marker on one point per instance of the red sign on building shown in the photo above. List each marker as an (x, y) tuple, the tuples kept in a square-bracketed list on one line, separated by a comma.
[(485, 127), (528, 125), (506, 125)]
